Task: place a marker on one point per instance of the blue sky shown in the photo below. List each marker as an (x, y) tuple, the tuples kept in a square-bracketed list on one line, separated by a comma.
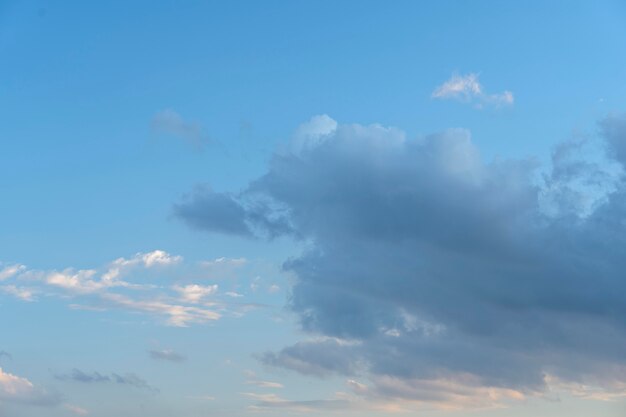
[(312, 208)]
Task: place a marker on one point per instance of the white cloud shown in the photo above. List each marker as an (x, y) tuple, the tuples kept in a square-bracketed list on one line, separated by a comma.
[(20, 390), (102, 289), (148, 260), (311, 133), (467, 88), (233, 294), (177, 315), (22, 293), (194, 293)]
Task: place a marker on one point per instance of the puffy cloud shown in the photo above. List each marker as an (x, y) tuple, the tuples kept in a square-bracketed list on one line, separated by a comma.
[(467, 88), (312, 133), (428, 269), (16, 389), (194, 293), (147, 260)]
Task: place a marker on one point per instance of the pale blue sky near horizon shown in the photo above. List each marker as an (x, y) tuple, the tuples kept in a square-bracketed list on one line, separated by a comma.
[(113, 113)]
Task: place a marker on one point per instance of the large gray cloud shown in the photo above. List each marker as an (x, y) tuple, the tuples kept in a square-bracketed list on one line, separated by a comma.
[(433, 263)]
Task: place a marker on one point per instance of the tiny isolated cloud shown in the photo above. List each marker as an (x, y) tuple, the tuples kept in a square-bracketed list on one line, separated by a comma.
[(79, 411), (167, 355), (169, 122), (468, 89)]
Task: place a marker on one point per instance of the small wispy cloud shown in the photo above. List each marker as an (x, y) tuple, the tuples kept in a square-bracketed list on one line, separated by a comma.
[(79, 411), (171, 123), (104, 288), (21, 293), (468, 89), (167, 355), (130, 379), (265, 384), (9, 271)]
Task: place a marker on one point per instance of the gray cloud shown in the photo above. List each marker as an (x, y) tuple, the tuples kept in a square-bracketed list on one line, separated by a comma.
[(319, 358), (435, 264), (130, 379), (5, 354), (167, 355), (228, 216), (171, 123)]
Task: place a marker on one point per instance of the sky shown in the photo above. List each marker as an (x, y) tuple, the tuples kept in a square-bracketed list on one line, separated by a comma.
[(312, 208)]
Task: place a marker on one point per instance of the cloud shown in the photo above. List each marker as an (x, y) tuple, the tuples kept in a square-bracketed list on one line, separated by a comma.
[(22, 293), (77, 410), (10, 271), (428, 269), (6, 354), (201, 397), (15, 389), (130, 379), (229, 216), (467, 88), (177, 315), (319, 358), (79, 376), (265, 384), (152, 259), (171, 123), (194, 293), (273, 402), (109, 287), (167, 355)]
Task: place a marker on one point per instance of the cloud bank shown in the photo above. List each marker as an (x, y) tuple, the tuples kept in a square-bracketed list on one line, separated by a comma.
[(439, 277)]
